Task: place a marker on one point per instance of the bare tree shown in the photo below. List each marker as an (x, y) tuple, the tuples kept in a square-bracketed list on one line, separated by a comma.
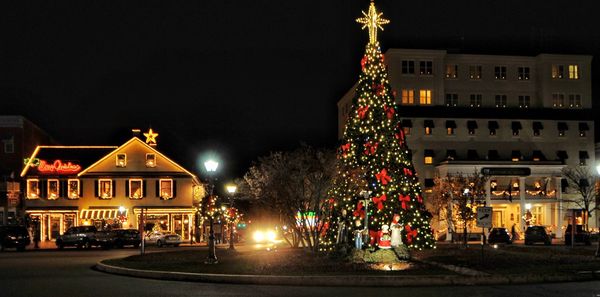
[(582, 181)]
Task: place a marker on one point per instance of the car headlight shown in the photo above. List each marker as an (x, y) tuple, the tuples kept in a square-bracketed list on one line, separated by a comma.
[(12, 237), (271, 236), (258, 236)]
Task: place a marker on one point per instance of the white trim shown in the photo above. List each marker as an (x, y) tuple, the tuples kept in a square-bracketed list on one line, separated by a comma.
[(69, 190), (48, 188), (38, 188)]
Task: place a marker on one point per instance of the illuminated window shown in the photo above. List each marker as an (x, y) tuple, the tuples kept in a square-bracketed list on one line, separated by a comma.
[(408, 67), (523, 73), (73, 188), (105, 188), (406, 130), (150, 160), (538, 156), (136, 189), (476, 100), (408, 96), (451, 71), (558, 100), (524, 101), (428, 154), (558, 71), (428, 124), (500, 100), (166, 188), (406, 126), (574, 71), (33, 189), (428, 131), (515, 156), (53, 189), (426, 67), (450, 127), (475, 72), (451, 100), (500, 72), (574, 100), (425, 97), (121, 160)]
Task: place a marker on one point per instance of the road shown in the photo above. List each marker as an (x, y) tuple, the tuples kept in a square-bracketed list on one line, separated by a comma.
[(69, 273)]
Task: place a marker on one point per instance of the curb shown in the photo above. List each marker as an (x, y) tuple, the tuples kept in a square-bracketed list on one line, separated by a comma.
[(342, 280)]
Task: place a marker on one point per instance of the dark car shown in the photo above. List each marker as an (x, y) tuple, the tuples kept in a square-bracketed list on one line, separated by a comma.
[(123, 237), (104, 239), (499, 235), (14, 237), (581, 236), (81, 236), (535, 234)]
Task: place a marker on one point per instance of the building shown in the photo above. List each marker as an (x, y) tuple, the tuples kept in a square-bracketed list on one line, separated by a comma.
[(520, 119), (18, 138), (108, 186)]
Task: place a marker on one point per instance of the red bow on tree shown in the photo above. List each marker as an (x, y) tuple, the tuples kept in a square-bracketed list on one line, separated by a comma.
[(379, 89), (420, 198), (408, 172), (360, 211), (379, 201), (382, 58), (404, 199), (363, 62), (345, 149), (373, 236), (362, 111), (410, 234), (370, 148), (383, 177), (389, 112)]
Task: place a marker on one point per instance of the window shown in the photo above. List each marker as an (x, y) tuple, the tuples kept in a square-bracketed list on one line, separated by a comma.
[(73, 188), (583, 127), (428, 124), (476, 100), (9, 145), (558, 100), (583, 156), (451, 100), (450, 127), (428, 156), (500, 100), (408, 96), (33, 189), (166, 188), (524, 101), (451, 71), (406, 126), (515, 156), (105, 188), (538, 156), (53, 189), (475, 72), (472, 155), (493, 126), (500, 72), (136, 189), (523, 73), (408, 67), (574, 100), (425, 97), (426, 67), (450, 155), (516, 128), (537, 128), (562, 128), (574, 71), (562, 155), (472, 126), (558, 71), (493, 155), (121, 160), (150, 160)]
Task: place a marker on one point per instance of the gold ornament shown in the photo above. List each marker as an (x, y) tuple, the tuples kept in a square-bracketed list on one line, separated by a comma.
[(372, 20)]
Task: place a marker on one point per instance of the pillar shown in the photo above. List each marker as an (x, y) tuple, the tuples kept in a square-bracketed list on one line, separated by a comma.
[(559, 210), (522, 202), (488, 193)]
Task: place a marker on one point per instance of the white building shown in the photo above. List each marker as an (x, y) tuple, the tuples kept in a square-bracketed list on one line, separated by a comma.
[(520, 119)]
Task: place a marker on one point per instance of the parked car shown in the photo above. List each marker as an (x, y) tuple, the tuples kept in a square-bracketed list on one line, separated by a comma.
[(581, 236), (104, 239), (81, 236), (499, 235), (535, 234), (123, 237), (161, 238), (14, 237)]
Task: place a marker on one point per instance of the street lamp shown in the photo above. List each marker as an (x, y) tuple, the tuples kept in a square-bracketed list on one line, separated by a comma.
[(231, 189), (211, 167), (597, 201)]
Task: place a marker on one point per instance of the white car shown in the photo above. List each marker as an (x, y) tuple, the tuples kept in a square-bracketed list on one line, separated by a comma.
[(161, 238)]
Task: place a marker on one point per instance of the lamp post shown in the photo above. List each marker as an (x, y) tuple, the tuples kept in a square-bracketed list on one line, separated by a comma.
[(598, 201), (231, 189), (211, 168)]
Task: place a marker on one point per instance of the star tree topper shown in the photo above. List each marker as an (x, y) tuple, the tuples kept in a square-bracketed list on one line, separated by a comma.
[(372, 20), (151, 137)]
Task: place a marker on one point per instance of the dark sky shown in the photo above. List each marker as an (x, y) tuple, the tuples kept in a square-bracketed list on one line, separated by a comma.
[(240, 78)]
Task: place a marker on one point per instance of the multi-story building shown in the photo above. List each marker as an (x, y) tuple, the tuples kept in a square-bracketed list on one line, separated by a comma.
[(517, 119), (107, 186)]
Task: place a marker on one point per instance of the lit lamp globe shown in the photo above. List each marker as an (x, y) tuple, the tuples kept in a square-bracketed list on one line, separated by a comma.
[(598, 169), (231, 189), (211, 165)]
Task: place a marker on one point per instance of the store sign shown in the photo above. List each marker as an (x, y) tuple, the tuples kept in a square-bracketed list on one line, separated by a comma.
[(519, 171), (58, 167)]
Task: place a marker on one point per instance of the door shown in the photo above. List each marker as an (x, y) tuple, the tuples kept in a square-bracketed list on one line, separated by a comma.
[(498, 219), (54, 226)]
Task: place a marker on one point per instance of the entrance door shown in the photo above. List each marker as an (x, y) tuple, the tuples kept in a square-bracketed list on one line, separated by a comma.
[(498, 219), (54, 226)]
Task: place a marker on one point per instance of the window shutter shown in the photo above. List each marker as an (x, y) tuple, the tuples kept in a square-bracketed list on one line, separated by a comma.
[(43, 188), (96, 187), (174, 188), (157, 188), (144, 188), (127, 188), (114, 188), (62, 188), (81, 188)]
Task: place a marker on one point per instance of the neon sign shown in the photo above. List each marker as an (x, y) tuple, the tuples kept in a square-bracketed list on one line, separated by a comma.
[(58, 167)]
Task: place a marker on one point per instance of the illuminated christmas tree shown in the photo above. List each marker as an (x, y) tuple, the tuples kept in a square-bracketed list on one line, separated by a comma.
[(375, 164)]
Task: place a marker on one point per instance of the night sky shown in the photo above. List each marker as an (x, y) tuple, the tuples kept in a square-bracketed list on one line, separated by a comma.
[(239, 78)]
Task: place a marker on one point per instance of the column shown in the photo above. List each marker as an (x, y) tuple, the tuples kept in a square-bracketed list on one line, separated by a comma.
[(522, 202), (488, 193), (559, 209)]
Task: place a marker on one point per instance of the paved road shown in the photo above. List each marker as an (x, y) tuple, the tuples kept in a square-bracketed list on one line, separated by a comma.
[(69, 273)]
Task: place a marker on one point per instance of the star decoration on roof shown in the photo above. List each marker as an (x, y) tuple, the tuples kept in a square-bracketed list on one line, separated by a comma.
[(151, 137), (373, 21)]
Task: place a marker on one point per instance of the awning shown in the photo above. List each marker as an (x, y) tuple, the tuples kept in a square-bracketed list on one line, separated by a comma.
[(406, 123), (493, 155), (538, 126), (583, 155), (538, 156), (493, 125), (562, 155), (428, 153), (100, 214), (583, 127), (472, 155), (471, 125), (516, 125), (451, 124), (450, 154), (562, 126), (428, 124)]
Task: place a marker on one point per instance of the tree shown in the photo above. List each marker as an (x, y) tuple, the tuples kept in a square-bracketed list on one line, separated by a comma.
[(374, 154), (582, 181), (294, 185)]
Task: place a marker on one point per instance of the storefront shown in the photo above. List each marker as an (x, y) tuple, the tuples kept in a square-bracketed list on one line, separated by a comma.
[(176, 220), (52, 222)]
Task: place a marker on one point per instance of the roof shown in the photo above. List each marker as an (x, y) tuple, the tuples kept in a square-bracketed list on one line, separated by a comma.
[(83, 156)]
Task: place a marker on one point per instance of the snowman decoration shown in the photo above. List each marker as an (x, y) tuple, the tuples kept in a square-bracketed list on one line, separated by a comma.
[(385, 238)]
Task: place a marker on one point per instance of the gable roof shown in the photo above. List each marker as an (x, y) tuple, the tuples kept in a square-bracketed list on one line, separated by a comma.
[(83, 155)]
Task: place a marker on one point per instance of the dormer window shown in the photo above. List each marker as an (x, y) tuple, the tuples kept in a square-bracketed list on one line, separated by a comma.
[(105, 188), (121, 160), (53, 189), (150, 160), (136, 189), (33, 189)]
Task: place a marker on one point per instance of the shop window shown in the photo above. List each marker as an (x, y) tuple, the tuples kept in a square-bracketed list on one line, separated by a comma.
[(73, 190), (105, 188), (53, 189), (136, 189), (451, 71), (121, 160), (150, 160), (166, 188), (33, 189)]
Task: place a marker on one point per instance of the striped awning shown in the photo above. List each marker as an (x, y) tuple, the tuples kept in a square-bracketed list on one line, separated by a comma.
[(100, 214)]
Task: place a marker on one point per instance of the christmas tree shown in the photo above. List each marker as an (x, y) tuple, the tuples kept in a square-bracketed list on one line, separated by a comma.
[(376, 177)]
